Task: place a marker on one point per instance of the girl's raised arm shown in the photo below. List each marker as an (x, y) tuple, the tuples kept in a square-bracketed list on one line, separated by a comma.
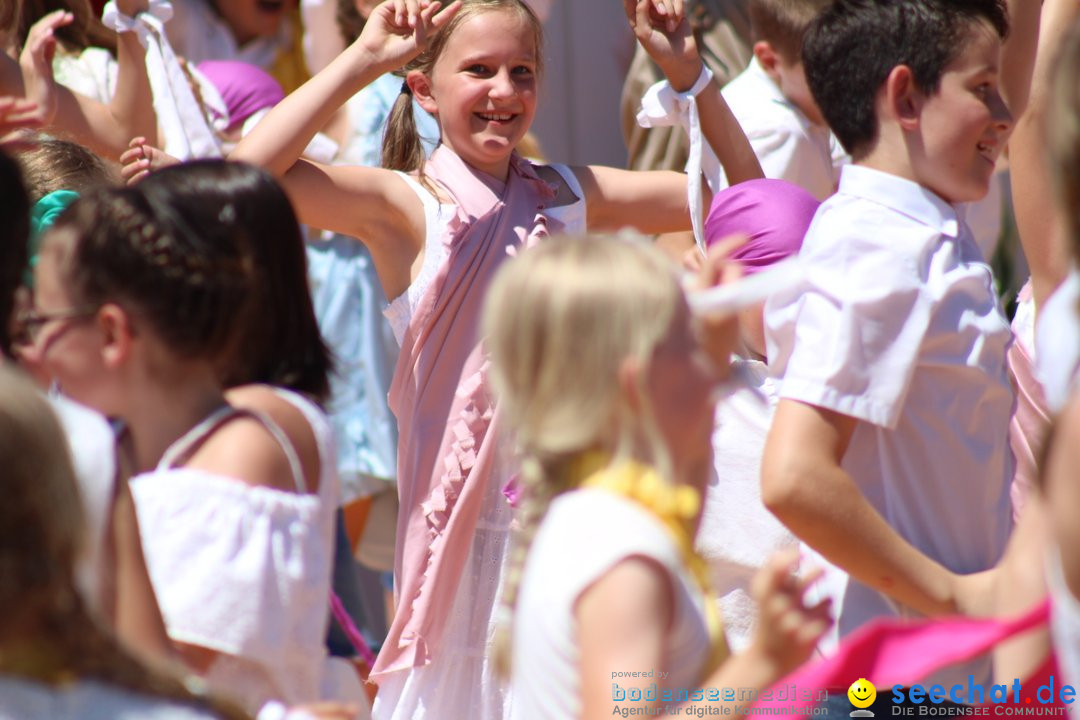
[(656, 202), (339, 198), (1042, 234), (105, 129)]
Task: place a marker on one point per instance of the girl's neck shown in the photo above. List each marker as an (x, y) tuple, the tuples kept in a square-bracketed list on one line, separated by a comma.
[(161, 413), (494, 175)]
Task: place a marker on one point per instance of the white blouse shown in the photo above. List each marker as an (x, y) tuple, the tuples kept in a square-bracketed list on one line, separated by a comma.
[(244, 570)]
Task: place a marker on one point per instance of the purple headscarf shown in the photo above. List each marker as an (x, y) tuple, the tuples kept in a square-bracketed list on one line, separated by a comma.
[(774, 214), (246, 89)]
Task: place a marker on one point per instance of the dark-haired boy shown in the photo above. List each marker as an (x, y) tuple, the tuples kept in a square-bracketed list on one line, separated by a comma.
[(888, 455)]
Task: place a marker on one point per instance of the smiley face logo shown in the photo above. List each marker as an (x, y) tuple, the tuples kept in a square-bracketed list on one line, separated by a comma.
[(862, 693)]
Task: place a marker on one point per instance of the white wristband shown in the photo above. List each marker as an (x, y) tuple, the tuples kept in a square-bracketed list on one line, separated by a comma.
[(699, 84)]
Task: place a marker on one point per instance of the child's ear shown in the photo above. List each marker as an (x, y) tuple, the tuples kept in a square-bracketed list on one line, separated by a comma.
[(903, 98), (117, 334), (420, 84), (767, 57), (630, 383)]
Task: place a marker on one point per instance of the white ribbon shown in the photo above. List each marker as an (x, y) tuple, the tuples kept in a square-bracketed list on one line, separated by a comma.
[(661, 106), (183, 124)]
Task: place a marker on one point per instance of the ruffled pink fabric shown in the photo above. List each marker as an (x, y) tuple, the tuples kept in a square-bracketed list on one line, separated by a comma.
[(446, 415)]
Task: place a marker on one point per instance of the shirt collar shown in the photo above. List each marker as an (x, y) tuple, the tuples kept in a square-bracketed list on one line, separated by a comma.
[(904, 196), (771, 92)]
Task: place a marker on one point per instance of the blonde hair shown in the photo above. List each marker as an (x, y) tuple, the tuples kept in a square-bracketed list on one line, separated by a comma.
[(402, 149), (42, 533), (1063, 144), (782, 23), (560, 321)]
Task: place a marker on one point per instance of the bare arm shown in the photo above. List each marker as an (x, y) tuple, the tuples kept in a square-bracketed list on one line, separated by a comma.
[(105, 128), (1037, 216), (625, 617), (656, 202), (368, 203), (651, 202), (804, 485), (137, 617), (395, 33), (1018, 54)]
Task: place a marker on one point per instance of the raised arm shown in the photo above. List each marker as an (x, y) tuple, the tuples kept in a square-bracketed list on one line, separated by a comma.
[(368, 203), (656, 202), (1037, 217), (804, 485), (105, 129)]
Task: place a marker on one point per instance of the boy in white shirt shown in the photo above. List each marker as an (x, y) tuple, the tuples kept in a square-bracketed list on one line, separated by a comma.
[(888, 455), (774, 106)]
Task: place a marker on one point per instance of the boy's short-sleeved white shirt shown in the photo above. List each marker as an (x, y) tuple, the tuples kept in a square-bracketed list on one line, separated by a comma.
[(788, 146), (897, 324)]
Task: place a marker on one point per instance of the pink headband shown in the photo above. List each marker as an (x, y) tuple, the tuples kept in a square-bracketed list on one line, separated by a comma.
[(774, 214), (246, 89)]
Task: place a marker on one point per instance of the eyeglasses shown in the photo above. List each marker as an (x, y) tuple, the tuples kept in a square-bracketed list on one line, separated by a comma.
[(31, 322)]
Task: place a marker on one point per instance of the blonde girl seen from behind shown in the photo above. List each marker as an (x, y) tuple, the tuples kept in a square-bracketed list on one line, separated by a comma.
[(609, 394)]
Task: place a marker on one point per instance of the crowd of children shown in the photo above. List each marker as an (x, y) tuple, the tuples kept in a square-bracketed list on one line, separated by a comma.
[(264, 318)]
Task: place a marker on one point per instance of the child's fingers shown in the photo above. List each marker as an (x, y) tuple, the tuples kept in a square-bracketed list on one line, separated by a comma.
[(642, 21), (777, 573), (445, 14), (132, 174), (131, 155), (412, 12), (55, 19), (724, 247), (11, 104), (400, 13), (807, 579)]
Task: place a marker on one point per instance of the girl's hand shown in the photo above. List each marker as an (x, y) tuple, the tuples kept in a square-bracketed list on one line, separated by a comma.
[(141, 159), (17, 114), (398, 30), (36, 64), (787, 630), (663, 30), (718, 332)]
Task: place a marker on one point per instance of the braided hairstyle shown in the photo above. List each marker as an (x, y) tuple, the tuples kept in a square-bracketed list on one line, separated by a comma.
[(42, 531), (560, 321), (402, 149), (239, 204), (191, 287)]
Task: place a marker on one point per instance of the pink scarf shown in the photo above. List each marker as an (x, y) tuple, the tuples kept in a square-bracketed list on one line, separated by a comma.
[(889, 652), (446, 415)]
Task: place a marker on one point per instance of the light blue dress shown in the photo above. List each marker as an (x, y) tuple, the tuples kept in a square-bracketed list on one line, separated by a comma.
[(348, 304)]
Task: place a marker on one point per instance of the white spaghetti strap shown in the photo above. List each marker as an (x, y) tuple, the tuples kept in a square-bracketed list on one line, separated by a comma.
[(287, 447), (198, 434), (193, 437)]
